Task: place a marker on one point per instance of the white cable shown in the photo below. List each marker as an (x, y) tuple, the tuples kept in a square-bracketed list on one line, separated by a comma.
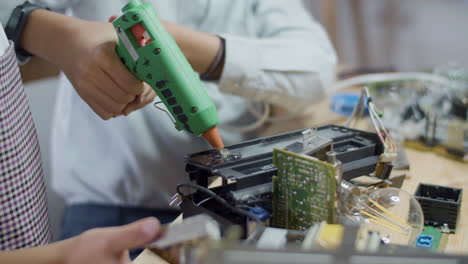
[(397, 76), (262, 119), (255, 113)]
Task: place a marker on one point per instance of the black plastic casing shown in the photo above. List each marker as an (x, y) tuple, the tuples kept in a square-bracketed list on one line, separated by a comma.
[(440, 204), (357, 150)]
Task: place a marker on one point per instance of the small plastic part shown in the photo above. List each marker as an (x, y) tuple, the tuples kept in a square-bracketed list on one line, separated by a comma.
[(193, 228), (445, 229), (424, 241), (261, 213), (273, 238), (344, 103), (440, 204), (176, 200)]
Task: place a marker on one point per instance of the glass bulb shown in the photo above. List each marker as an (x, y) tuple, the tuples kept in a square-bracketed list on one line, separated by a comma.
[(392, 212)]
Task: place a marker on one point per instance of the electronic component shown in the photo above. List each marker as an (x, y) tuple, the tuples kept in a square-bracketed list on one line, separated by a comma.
[(436, 235), (245, 170), (460, 107), (433, 115), (390, 151), (457, 138), (276, 248), (273, 238), (303, 191), (193, 228), (394, 213), (357, 150), (440, 204), (424, 241)]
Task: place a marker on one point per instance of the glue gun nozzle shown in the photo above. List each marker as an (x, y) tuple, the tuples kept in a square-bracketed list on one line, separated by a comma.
[(214, 138)]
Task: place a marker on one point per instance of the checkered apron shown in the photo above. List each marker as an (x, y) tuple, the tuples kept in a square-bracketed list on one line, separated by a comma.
[(23, 203)]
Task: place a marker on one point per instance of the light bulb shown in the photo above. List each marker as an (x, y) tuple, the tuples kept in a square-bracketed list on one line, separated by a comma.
[(394, 213)]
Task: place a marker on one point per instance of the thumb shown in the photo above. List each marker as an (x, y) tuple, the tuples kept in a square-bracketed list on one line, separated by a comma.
[(134, 235)]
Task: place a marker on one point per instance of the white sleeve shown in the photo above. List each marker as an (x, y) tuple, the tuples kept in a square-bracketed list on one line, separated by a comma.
[(290, 63), (7, 6)]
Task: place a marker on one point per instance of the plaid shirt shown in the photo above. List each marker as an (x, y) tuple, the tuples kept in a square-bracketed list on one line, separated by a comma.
[(23, 201)]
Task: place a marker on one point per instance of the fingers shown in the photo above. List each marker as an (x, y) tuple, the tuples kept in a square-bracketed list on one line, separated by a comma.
[(134, 235), (102, 80), (101, 112), (116, 70), (102, 95), (145, 98), (113, 88), (113, 91)]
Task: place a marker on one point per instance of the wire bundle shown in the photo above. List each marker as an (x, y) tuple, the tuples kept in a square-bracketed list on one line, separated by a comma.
[(358, 112)]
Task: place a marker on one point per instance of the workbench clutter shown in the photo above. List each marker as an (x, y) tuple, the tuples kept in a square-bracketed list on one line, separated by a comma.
[(322, 191)]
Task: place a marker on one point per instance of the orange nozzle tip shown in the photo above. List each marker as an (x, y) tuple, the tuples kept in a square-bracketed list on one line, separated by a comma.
[(214, 138)]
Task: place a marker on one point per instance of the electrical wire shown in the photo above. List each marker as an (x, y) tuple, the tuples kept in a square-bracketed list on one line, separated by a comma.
[(384, 130), (259, 227), (397, 76), (261, 120), (358, 112)]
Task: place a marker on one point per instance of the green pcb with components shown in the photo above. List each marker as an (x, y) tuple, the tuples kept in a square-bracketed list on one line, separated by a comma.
[(436, 235), (303, 191)]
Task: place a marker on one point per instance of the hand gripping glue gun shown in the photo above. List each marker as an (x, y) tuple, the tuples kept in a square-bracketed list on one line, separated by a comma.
[(150, 53)]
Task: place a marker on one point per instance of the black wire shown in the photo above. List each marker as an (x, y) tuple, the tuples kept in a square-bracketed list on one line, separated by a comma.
[(219, 199), (259, 227)]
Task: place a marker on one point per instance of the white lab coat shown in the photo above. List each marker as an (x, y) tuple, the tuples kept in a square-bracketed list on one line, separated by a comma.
[(275, 52)]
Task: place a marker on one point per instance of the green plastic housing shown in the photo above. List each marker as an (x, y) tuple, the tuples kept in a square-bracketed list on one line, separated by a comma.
[(163, 66)]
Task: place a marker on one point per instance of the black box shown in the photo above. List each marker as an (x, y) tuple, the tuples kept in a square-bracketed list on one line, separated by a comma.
[(440, 204)]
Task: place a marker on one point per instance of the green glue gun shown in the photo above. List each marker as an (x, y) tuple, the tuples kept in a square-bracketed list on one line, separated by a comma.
[(151, 54)]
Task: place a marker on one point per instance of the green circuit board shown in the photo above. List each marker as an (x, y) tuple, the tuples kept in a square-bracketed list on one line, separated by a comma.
[(436, 236), (303, 191)]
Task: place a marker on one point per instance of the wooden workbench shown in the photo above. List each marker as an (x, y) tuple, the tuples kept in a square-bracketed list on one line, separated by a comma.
[(425, 167)]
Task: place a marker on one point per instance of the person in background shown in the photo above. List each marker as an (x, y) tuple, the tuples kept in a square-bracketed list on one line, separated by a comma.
[(24, 226), (120, 170)]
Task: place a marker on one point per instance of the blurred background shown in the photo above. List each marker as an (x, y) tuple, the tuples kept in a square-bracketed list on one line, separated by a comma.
[(403, 35)]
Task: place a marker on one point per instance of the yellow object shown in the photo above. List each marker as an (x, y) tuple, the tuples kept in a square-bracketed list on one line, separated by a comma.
[(439, 150), (382, 222), (389, 213), (330, 236)]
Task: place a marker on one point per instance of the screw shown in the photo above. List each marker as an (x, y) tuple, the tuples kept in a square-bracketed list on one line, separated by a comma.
[(194, 109), (136, 17)]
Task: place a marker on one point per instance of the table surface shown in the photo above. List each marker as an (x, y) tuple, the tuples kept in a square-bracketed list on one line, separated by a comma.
[(425, 167)]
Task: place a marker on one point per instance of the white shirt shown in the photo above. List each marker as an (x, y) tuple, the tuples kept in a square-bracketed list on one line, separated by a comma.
[(275, 52), (3, 41)]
